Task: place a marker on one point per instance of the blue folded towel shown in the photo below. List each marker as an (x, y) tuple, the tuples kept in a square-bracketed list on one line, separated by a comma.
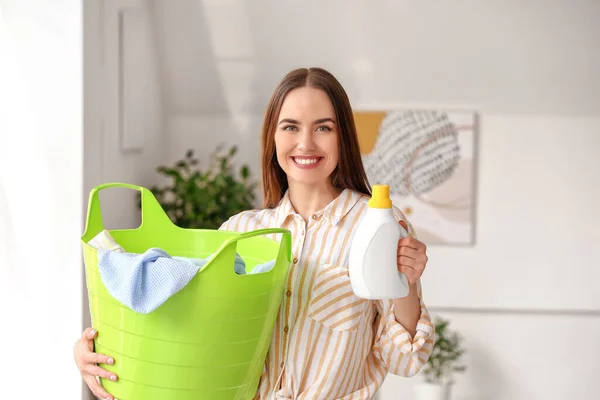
[(143, 282)]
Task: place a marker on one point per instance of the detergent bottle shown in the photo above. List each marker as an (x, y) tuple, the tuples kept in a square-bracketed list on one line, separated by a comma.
[(373, 265)]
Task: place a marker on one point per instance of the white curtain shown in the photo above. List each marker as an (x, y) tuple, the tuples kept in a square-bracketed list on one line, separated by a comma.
[(40, 195)]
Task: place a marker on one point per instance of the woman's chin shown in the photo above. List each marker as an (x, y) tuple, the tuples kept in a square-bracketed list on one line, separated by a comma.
[(308, 179)]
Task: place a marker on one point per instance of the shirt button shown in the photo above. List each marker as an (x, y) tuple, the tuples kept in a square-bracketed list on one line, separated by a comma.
[(295, 260), (288, 293), (286, 329), (281, 365), (315, 216)]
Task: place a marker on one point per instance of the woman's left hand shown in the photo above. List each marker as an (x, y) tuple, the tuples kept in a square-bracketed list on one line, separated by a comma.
[(412, 257)]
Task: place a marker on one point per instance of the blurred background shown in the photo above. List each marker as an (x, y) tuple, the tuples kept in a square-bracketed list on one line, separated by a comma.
[(109, 90)]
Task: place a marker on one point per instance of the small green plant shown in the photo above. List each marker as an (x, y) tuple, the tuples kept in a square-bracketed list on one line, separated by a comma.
[(445, 359), (205, 199)]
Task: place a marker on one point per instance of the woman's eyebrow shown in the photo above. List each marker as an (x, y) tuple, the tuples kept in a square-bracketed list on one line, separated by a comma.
[(320, 121), (289, 121), (293, 121)]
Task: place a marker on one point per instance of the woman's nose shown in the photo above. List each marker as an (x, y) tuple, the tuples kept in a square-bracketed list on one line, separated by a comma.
[(306, 141)]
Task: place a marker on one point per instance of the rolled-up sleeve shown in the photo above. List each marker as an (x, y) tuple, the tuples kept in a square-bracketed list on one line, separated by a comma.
[(395, 348), (399, 352)]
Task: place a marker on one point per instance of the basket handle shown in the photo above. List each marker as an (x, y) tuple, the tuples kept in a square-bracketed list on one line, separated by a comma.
[(228, 248), (286, 238), (152, 211)]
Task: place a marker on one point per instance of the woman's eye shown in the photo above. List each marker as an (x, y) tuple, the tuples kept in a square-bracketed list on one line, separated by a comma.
[(324, 128), (289, 128)]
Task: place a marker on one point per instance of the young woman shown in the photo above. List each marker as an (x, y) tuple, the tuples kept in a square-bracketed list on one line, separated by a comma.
[(327, 343)]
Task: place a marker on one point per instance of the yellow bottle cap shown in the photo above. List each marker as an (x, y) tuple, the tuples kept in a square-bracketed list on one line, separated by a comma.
[(380, 197)]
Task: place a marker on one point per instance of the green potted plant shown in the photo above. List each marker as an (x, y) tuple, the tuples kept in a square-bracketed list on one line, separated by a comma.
[(443, 364), (204, 199)]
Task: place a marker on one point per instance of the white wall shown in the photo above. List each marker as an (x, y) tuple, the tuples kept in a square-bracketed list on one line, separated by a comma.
[(40, 197), (123, 115), (124, 124), (523, 296), (520, 356)]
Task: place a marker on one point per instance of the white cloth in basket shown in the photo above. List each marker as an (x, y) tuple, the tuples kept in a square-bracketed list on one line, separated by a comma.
[(143, 282)]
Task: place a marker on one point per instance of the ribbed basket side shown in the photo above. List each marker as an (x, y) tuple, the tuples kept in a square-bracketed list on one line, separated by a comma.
[(209, 341), (133, 391)]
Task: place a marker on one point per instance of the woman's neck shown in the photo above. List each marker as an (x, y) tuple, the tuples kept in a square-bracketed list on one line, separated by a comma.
[(308, 199)]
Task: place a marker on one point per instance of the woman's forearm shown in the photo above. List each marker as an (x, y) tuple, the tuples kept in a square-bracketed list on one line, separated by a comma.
[(408, 310)]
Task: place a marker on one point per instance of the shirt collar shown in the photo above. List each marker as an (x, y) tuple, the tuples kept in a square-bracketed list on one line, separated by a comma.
[(334, 212)]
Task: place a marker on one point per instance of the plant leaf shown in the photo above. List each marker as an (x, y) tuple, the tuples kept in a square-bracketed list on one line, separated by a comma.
[(205, 198)]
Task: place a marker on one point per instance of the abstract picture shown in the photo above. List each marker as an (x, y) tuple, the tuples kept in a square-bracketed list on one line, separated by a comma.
[(427, 157)]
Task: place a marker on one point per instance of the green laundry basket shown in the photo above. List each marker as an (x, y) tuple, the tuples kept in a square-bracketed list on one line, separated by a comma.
[(208, 341)]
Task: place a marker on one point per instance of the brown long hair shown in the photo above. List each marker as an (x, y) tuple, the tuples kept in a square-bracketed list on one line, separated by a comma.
[(349, 173)]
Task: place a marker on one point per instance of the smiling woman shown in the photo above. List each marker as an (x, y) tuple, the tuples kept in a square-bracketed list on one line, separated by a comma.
[(327, 343), (308, 125), (307, 146)]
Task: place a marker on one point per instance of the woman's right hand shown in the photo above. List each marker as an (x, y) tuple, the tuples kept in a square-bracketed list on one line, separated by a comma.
[(87, 361)]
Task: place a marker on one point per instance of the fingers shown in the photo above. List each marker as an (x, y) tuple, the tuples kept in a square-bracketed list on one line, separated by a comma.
[(408, 252), (412, 243), (89, 333), (412, 274), (95, 370), (407, 262), (97, 358), (412, 258), (87, 359), (412, 254), (96, 388), (87, 338)]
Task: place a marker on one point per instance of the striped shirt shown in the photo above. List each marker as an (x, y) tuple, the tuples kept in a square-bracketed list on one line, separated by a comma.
[(328, 343)]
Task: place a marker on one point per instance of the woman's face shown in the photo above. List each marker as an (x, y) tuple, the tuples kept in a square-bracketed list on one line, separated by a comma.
[(306, 139)]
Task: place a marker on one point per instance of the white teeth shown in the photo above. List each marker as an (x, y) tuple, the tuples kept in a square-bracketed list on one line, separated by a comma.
[(306, 161)]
